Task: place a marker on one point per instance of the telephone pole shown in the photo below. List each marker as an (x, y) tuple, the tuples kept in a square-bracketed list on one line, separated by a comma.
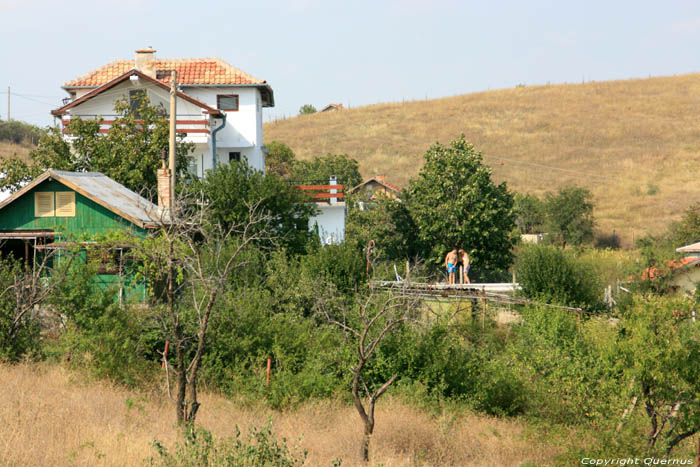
[(8, 103), (173, 124)]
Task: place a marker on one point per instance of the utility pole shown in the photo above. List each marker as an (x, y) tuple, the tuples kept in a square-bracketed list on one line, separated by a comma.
[(173, 124), (8, 103)]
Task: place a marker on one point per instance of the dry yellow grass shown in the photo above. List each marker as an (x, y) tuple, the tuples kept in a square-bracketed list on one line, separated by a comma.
[(50, 417), (643, 133), (14, 150)]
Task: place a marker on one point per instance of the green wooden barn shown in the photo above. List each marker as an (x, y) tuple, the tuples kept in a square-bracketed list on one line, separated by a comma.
[(59, 206)]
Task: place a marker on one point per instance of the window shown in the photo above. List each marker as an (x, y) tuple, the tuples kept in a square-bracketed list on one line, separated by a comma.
[(43, 204), (136, 98), (234, 157), (65, 204), (227, 102)]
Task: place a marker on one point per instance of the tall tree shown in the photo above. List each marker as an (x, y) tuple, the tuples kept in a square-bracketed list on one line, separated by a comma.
[(454, 203), (230, 189), (570, 215), (280, 159), (189, 262), (129, 153)]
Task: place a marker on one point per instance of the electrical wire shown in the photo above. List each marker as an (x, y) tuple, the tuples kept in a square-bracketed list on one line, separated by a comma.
[(543, 166)]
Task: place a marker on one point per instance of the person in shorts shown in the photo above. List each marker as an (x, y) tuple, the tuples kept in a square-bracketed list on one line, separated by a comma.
[(464, 259), (451, 265)]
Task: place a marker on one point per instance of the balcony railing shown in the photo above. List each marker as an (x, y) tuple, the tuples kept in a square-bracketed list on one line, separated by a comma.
[(323, 193), (189, 124)]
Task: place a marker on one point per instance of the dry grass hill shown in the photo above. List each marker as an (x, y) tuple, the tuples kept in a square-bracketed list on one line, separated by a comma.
[(633, 143)]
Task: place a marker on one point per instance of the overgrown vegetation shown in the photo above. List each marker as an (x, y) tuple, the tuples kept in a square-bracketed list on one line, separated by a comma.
[(236, 279)]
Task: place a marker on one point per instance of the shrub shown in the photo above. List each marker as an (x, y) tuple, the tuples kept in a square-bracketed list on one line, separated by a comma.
[(548, 273), (201, 449)]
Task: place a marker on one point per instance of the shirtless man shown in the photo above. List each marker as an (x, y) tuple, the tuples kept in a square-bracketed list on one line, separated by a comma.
[(464, 259), (451, 265)]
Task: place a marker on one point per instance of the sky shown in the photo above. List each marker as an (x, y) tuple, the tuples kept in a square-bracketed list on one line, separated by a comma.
[(351, 52)]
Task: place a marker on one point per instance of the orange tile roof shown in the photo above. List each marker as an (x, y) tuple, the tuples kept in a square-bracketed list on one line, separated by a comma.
[(653, 272), (190, 71)]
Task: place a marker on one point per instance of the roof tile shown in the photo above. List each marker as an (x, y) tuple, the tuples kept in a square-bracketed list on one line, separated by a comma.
[(190, 71)]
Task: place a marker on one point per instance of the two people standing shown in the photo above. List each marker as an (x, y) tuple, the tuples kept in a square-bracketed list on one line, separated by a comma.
[(452, 259)]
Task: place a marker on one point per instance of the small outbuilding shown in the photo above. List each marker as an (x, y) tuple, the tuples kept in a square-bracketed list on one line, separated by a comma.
[(60, 208)]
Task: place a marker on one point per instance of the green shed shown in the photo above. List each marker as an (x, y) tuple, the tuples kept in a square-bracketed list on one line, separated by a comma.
[(58, 206)]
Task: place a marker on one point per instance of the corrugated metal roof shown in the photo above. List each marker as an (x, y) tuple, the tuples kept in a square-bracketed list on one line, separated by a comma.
[(100, 187), (102, 190)]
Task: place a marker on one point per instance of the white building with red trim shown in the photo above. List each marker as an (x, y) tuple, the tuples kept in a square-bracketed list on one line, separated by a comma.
[(219, 107)]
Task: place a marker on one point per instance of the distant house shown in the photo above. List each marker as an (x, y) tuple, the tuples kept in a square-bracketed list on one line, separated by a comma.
[(332, 107), (369, 189), (682, 274), (60, 206), (219, 107)]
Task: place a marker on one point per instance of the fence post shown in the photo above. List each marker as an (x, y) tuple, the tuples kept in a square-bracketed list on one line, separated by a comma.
[(269, 365), (165, 354)]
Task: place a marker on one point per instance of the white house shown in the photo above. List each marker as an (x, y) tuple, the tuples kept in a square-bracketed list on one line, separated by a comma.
[(219, 107)]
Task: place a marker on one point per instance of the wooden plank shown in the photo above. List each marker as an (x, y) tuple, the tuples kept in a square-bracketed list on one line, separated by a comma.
[(328, 195), (320, 187)]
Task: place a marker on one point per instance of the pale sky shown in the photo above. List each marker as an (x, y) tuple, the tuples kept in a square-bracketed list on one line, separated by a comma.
[(350, 52)]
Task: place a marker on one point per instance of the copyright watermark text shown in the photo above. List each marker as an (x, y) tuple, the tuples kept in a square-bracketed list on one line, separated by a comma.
[(635, 461)]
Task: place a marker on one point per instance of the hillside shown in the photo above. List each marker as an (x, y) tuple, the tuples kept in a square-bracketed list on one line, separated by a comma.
[(633, 143)]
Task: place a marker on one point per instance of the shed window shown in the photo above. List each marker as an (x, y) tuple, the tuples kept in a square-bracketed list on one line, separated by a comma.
[(227, 102), (43, 204), (65, 204)]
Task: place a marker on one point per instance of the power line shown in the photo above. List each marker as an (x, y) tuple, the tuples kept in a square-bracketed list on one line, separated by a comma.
[(543, 166), (33, 100)]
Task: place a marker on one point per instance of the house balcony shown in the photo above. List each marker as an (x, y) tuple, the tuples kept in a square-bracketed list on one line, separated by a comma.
[(195, 127)]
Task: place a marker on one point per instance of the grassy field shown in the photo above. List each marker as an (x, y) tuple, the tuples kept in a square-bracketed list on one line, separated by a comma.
[(633, 143), (14, 150), (51, 417)]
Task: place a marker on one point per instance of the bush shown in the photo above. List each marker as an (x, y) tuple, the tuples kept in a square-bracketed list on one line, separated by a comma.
[(104, 339), (549, 274), (24, 340), (200, 449), (19, 132)]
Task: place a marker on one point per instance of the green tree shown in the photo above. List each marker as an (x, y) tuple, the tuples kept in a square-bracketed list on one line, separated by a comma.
[(570, 215), (280, 159), (231, 189), (687, 231), (386, 221), (659, 345), (307, 109), (530, 212), (129, 153), (320, 168), (454, 202)]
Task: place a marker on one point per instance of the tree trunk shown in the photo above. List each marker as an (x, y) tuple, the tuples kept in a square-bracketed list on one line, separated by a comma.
[(369, 429)]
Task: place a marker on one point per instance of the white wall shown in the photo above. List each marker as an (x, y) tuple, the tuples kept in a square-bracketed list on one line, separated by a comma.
[(242, 133), (103, 104), (331, 222)]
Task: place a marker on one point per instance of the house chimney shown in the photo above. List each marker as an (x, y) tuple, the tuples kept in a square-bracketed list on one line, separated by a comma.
[(146, 62), (164, 187), (333, 180)]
